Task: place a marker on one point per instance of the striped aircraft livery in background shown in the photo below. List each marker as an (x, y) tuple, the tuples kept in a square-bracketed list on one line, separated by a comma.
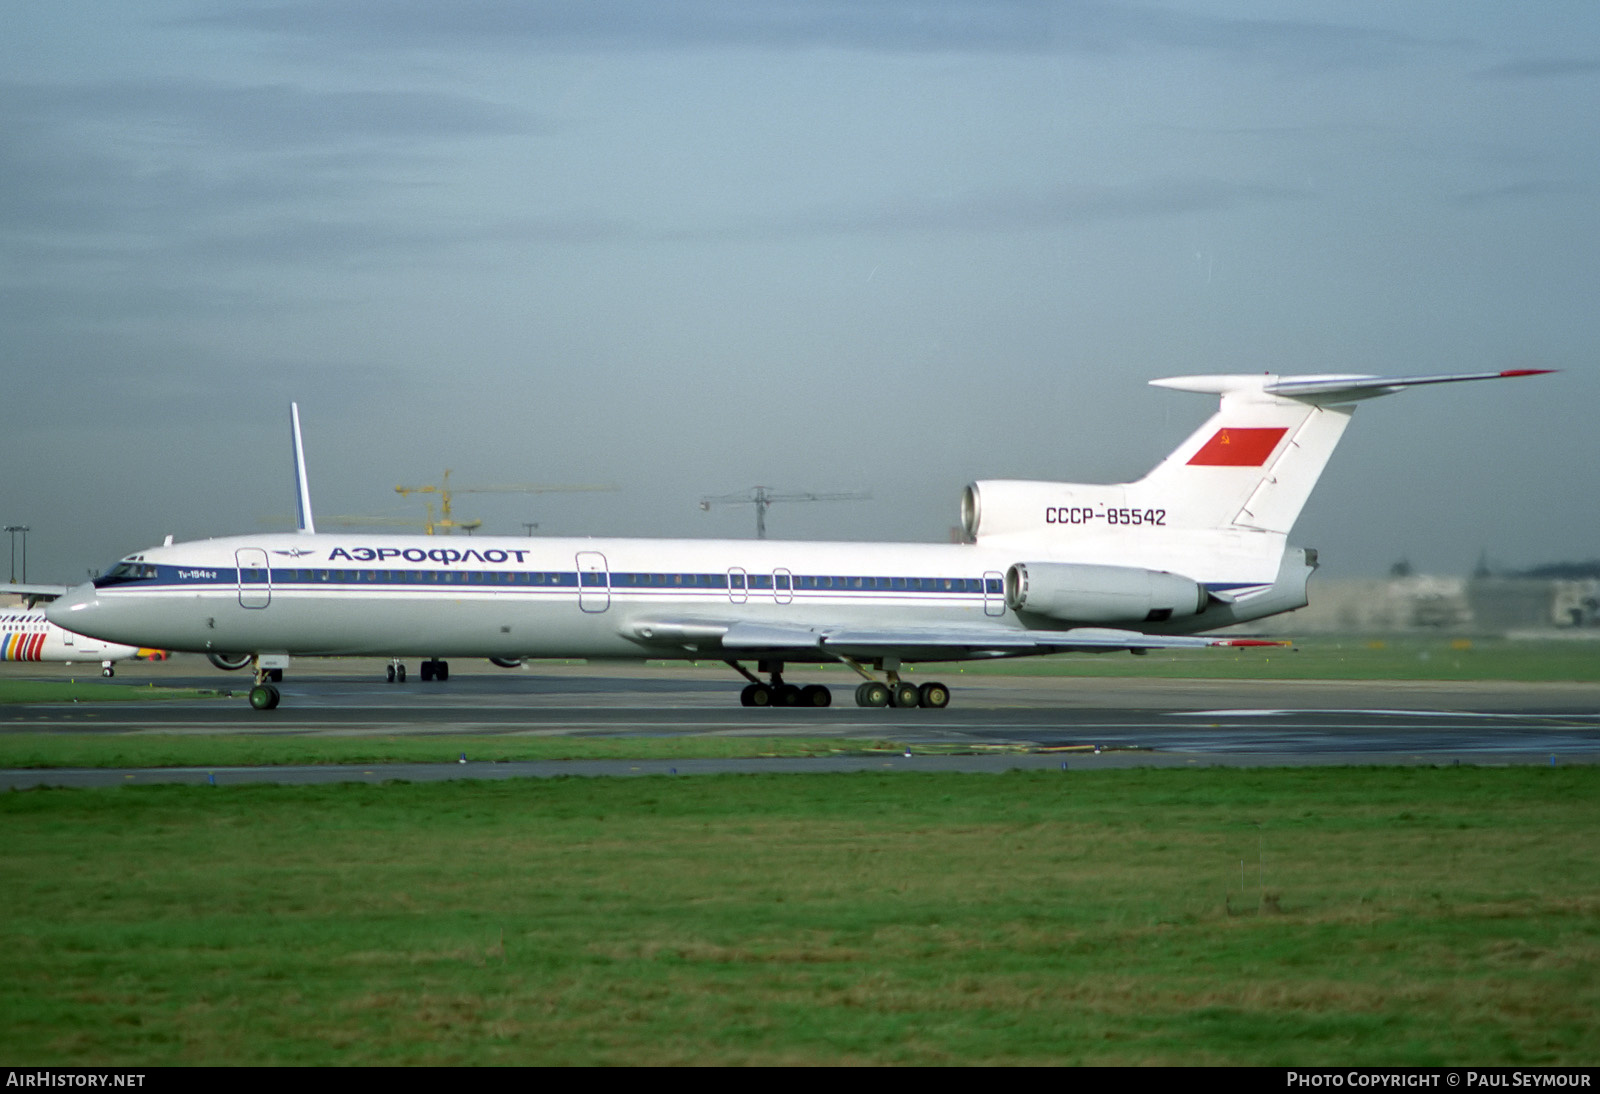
[(26, 635)]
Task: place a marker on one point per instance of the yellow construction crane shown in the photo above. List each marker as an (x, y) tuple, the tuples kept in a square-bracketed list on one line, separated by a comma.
[(447, 522), (365, 521)]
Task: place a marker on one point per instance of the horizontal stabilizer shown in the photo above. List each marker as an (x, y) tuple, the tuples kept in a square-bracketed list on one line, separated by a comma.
[(1328, 389), (1340, 389)]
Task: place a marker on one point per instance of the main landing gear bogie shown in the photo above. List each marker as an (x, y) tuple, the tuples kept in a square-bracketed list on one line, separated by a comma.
[(776, 693), (785, 695), (431, 669), (902, 695), (872, 693)]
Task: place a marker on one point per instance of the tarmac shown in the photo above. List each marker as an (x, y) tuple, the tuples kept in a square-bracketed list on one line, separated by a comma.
[(995, 723)]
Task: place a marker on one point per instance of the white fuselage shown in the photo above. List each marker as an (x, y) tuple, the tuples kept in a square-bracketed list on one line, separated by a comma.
[(519, 597), (26, 635), (1198, 543)]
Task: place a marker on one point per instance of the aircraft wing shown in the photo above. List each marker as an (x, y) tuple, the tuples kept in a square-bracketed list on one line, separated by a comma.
[(33, 594), (746, 640)]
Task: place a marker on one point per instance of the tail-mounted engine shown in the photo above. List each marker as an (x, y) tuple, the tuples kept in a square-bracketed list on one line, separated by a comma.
[(1078, 593), (997, 508)]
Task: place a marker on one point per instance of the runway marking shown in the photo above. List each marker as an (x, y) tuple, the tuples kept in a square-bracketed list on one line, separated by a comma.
[(1352, 711)]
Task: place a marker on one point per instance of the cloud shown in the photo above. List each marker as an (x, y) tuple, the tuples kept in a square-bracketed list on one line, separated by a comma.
[(1519, 192), (125, 175), (278, 115), (99, 382), (1540, 69), (158, 156), (980, 211), (1040, 208), (899, 26)]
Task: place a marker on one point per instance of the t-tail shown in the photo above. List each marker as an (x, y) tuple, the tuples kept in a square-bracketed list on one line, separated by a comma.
[(1216, 512)]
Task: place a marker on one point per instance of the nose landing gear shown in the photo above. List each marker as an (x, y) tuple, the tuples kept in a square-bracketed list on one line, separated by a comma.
[(265, 695)]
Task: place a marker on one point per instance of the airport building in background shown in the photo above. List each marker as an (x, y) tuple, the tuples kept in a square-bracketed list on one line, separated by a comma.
[(1481, 604)]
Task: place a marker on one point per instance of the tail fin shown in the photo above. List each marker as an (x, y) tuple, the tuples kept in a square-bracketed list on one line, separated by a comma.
[(1253, 464), (302, 489), (1219, 508)]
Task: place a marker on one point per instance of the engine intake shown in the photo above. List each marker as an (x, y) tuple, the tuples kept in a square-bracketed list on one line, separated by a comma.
[(1080, 593), (229, 662)]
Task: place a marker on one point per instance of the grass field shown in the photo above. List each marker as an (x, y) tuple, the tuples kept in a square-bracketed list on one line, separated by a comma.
[(1334, 916), (1311, 916), (46, 750), (91, 691)]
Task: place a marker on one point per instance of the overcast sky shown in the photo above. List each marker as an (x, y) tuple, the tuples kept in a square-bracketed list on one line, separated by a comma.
[(690, 247)]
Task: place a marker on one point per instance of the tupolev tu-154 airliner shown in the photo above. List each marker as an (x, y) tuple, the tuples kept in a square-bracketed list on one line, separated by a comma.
[(1199, 543)]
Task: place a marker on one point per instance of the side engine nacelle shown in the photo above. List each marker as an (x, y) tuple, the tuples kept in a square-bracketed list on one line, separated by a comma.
[(229, 662), (1079, 593)]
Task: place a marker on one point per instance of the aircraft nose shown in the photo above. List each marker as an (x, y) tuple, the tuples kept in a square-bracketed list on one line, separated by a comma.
[(73, 608)]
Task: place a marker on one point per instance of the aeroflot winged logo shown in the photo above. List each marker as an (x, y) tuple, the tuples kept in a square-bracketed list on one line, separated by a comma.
[(1235, 447)]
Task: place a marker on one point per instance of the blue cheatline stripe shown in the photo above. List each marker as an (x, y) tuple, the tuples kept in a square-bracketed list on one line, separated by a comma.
[(167, 576), (300, 578)]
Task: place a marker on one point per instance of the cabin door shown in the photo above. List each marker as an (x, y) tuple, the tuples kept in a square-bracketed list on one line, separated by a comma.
[(994, 599), (594, 582), (255, 577)]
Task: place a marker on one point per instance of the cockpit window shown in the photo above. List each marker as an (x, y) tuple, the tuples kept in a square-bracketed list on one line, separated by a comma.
[(124, 572)]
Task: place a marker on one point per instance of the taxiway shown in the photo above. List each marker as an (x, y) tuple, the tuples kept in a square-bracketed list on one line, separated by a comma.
[(1008, 722)]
